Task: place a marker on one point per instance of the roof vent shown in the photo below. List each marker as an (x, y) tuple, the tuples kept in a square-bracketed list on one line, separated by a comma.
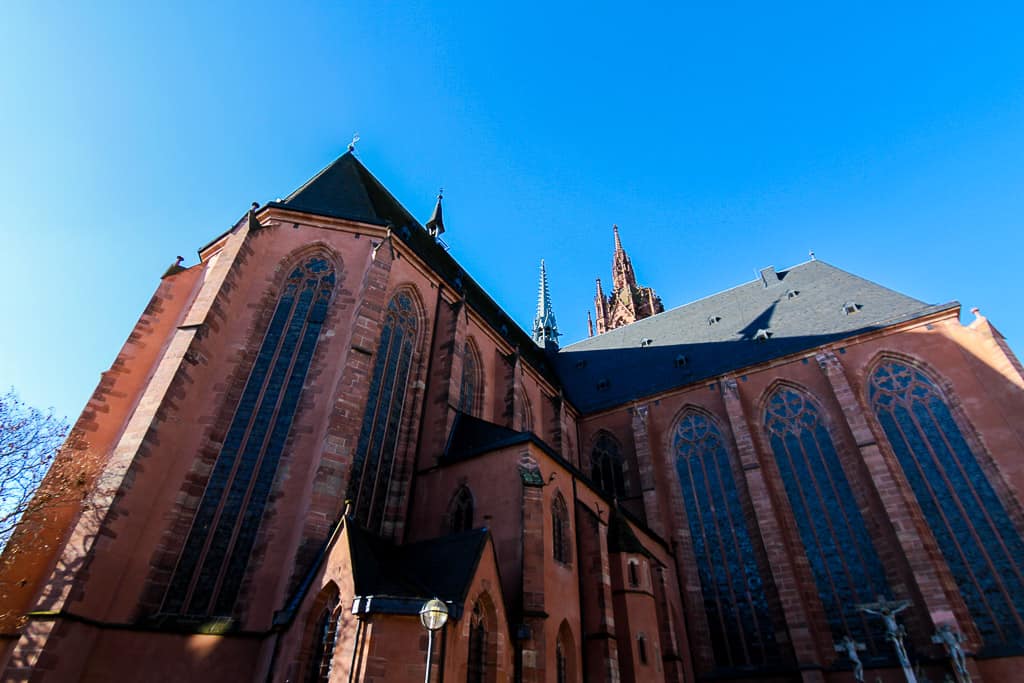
[(645, 342), (762, 335), (580, 364), (603, 384), (851, 307), (792, 293), (769, 277), (680, 361), (714, 320)]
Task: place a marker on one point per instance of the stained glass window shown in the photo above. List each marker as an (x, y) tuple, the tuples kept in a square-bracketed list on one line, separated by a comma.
[(835, 536), (325, 633), (477, 665), (560, 530), (378, 439), (471, 382), (216, 553), (607, 466), (461, 511), (972, 527), (734, 592)]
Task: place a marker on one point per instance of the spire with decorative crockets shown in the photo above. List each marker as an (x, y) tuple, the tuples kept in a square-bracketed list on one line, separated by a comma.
[(545, 329), (628, 301)]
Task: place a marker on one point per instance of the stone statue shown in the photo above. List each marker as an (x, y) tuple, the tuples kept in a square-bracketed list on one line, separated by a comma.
[(953, 642), (849, 646), (888, 609)]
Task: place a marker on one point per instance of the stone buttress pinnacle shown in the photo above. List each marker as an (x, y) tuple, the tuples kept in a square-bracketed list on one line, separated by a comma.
[(545, 329)]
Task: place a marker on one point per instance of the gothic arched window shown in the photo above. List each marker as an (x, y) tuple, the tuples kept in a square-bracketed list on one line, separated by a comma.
[(373, 464), (560, 530), (472, 384), (460, 511), (524, 412), (326, 634), (982, 547), (835, 537), (216, 553), (565, 655), (561, 674), (735, 596), (607, 466), (476, 667)]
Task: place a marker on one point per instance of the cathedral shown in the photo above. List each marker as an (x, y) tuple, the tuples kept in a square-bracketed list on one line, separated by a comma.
[(324, 453)]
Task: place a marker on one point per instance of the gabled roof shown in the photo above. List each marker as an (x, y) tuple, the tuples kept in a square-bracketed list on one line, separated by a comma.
[(346, 189), (440, 567), (471, 436), (779, 314)]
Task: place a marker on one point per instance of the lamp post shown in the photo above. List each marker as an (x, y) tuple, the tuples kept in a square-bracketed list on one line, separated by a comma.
[(433, 616)]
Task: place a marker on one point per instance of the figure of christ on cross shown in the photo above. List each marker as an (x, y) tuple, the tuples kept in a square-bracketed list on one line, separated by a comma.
[(888, 609)]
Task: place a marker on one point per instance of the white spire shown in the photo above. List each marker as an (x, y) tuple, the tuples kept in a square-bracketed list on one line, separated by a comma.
[(545, 329)]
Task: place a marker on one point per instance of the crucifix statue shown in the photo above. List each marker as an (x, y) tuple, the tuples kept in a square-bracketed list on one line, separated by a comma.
[(953, 641), (850, 647), (888, 609)]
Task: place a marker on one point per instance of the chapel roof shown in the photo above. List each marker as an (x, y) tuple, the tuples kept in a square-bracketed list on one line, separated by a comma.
[(781, 313)]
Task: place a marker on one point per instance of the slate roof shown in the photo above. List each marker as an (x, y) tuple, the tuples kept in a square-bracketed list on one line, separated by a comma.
[(471, 436), (346, 189), (801, 308), (440, 567)]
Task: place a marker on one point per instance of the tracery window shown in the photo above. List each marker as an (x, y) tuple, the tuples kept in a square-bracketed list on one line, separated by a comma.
[(607, 466), (373, 464), (216, 553), (735, 595), (977, 538), (326, 634), (835, 537), (471, 381), (560, 530), (460, 516), (477, 666)]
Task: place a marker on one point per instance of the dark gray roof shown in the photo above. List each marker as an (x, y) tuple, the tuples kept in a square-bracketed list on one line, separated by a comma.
[(440, 567), (800, 308)]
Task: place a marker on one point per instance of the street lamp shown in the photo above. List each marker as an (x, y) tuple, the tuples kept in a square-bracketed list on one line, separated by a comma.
[(433, 616)]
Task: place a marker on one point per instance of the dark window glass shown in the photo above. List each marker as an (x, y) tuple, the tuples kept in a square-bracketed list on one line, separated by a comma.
[(641, 648), (634, 574), (560, 530), (326, 633), (378, 439), (477, 664), (843, 558), (972, 527), (470, 381), (216, 552), (461, 515), (561, 665), (607, 467), (735, 598)]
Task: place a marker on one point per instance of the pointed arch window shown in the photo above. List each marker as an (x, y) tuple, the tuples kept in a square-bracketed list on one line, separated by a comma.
[(734, 592), (460, 516), (472, 384), (476, 667), (373, 464), (213, 561), (326, 635), (843, 559), (565, 655), (973, 529), (561, 666), (560, 530), (607, 467)]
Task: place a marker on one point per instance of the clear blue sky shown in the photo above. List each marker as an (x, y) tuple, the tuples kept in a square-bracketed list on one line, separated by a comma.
[(721, 138)]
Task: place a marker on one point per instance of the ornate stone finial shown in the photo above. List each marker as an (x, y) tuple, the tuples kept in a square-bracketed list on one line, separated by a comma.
[(590, 324), (352, 144), (545, 328), (435, 226), (976, 311), (618, 242), (811, 254)]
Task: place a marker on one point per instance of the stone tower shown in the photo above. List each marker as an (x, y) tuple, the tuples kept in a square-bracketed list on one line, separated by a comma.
[(628, 301)]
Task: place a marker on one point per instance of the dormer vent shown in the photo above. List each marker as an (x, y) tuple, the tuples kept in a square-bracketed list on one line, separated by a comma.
[(603, 384), (645, 342), (851, 307), (680, 361), (792, 293), (762, 335), (714, 319)]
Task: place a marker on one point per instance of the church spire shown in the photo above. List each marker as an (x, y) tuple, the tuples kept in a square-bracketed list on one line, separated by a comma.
[(628, 301), (545, 329)]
